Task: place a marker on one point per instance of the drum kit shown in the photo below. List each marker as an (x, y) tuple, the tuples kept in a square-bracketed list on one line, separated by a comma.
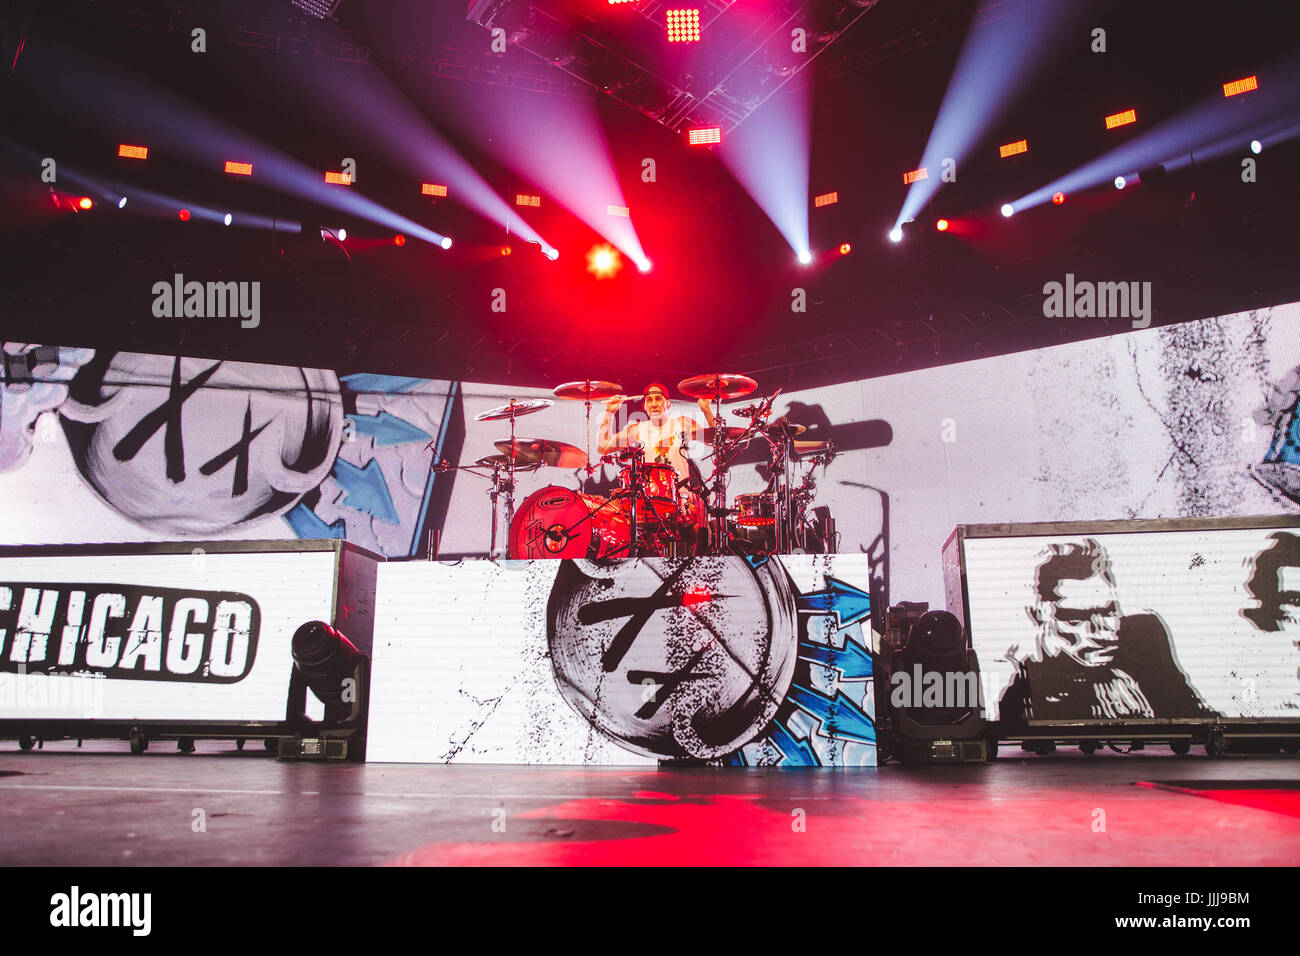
[(654, 510)]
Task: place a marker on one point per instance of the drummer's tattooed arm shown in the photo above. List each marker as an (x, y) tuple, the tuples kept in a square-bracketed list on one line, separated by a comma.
[(605, 442), (706, 406)]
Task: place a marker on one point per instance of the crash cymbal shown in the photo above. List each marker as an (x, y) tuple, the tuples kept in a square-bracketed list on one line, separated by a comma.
[(717, 385), (783, 426), (544, 451), (503, 461), (587, 391), (514, 409)]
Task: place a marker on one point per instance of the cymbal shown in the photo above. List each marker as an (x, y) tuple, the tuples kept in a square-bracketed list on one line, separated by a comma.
[(701, 446), (514, 409), (719, 385), (782, 426), (729, 433), (503, 461), (544, 451), (587, 391)]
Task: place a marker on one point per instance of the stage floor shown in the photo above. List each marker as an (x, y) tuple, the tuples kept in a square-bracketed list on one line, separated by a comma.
[(102, 806)]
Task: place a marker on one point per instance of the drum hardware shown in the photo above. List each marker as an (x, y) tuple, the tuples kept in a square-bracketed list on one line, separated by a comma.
[(586, 392)]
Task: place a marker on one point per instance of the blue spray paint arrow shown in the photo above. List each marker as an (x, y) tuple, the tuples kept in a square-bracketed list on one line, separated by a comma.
[(386, 384), (388, 429), (794, 753), (853, 661), (307, 524), (366, 489), (840, 717), (847, 603)]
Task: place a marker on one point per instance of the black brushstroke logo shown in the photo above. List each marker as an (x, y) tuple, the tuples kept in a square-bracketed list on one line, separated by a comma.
[(128, 632)]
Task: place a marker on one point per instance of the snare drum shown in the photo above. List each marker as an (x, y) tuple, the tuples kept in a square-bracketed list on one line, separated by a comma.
[(660, 489), (558, 523), (755, 511)]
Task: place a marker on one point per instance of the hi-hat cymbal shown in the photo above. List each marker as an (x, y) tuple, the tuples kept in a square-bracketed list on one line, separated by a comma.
[(717, 385), (503, 461), (590, 390), (544, 451), (514, 409), (783, 426), (701, 445)]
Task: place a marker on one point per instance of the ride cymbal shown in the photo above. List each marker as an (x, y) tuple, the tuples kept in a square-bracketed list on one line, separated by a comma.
[(514, 409), (717, 385)]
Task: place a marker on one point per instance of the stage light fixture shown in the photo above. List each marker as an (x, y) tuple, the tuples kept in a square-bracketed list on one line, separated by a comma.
[(525, 200), (805, 258), (704, 136), (1121, 119), (896, 234), (915, 174), (645, 265), (1013, 149), (133, 152), (551, 253), (1256, 147), (683, 26), (1058, 198), (506, 250), (603, 261), (942, 225), (85, 202), (825, 199), (341, 233), (1244, 85), (446, 242), (399, 240), (121, 203), (239, 169), (1120, 182), (433, 189), (1008, 210), (845, 248), (338, 179), (184, 215), (622, 211), (228, 219)]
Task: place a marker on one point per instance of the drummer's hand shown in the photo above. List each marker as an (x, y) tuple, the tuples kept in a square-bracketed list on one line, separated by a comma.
[(706, 406), (615, 402)]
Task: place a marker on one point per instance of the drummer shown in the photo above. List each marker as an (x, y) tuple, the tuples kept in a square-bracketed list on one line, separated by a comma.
[(661, 436)]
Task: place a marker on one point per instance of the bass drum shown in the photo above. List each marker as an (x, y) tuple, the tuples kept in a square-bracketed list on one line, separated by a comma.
[(558, 523)]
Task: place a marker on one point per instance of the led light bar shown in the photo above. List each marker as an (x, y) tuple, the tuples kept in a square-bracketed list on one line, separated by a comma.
[(704, 135), (1241, 86), (522, 200), (133, 152), (622, 211), (239, 169), (683, 26), (914, 175), (1121, 119), (338, 179), (1013, 149), (825, 199), (432, 189)]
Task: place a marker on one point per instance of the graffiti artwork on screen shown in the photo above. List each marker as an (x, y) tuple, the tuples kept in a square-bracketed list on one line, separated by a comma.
[(187, 447), (128, 632), (713, 659), (1089, 659)]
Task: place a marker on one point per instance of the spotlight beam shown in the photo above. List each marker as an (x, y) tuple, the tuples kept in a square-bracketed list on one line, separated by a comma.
[(1215, 126), (996, 66)]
